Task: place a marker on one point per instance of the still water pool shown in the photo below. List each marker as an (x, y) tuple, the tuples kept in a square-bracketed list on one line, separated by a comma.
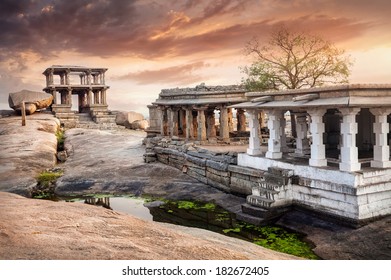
[(206, 216)]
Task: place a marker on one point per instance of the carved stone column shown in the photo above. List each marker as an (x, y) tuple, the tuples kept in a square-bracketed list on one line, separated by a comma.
[(230, 120), (201, 135), (224, 129), (96, 97), (254, 147), (189, 124), (274, 143), (381, 149), (89, 97), (63, 94), (317, 129), (210, 124), (69, 97), (241, 118), (349, 151), (103, 97), (173, 121), (163, 122), (302, 142)]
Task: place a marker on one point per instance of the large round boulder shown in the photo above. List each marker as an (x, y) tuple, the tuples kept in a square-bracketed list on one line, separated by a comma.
[(128, 117), (140, 124), (33, 100)]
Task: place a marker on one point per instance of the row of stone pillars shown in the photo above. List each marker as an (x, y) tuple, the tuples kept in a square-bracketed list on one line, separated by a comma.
[(87, 98), (86, 78), (199, 122), (349, 128)]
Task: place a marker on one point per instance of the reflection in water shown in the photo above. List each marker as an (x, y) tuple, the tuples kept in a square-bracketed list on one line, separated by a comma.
[(104, 202), (128, 205)]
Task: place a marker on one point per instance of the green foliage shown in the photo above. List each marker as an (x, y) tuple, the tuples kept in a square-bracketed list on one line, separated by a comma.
[(47, 177), (60, 140), (185, 204), (228, 230), (294, 60), (45, 184), (278, 239)]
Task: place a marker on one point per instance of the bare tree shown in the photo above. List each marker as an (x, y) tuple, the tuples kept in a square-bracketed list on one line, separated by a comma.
[(294, 60)]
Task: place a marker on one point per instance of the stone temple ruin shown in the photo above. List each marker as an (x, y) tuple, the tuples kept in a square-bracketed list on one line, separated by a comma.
[(88, 84), (323, 149)]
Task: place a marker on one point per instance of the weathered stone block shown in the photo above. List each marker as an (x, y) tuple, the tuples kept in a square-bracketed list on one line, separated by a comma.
[(222, 166), (197, 176), (196, 160), (241, 186), (218, 172), (217, 178), (246, 170), (218, 185)]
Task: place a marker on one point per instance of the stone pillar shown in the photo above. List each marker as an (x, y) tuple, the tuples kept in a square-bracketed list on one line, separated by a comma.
[(201, 134), (210, 124), (173, 121), (274, 143), (88, 77), (381, 149), (54, 93), (317, 129), (163, 123), (89, 97), (284, 146), (67, 80), (230, 120), (224, 129), (103, 78), (51, 81), (69, 97), (349, 151), (63, 97), (241, 119), (254, 147), (104, 96), (95, 79), (302, 142), (189, 124), (62, 79), (96, 97)]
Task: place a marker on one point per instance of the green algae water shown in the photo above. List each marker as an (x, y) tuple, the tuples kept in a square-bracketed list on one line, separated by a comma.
[(207, 216)]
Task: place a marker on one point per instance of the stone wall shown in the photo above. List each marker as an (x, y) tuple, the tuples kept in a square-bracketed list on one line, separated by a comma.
[(213, 168), (351, 196)]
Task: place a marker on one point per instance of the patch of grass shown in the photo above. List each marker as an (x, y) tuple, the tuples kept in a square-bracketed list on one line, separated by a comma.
[(46, 181), (279, 239), (196, 205), (60, 140)]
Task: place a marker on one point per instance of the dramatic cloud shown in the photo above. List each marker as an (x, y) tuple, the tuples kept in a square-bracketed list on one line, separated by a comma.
[(181, 75), (185, 40)]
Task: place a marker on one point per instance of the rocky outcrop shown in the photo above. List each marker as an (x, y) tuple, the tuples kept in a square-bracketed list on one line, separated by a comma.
[(38, 229), (124, 118), (26, 150), (33, 100), (137, 125)]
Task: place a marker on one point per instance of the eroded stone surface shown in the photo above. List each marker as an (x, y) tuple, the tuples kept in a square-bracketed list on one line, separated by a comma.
[(37, 229), (34, 100), (26, 150)]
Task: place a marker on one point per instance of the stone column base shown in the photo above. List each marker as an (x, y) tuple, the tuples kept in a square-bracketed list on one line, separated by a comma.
[(254, 152), (318, 162), (349, 167), (380, 164), (275, 155)]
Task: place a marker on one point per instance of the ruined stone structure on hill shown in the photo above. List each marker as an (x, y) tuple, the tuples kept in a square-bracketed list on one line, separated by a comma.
[(338, 164), (88, 84)]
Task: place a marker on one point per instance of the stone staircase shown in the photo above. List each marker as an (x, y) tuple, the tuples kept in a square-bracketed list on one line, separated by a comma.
[(259, 208), (92, 122)]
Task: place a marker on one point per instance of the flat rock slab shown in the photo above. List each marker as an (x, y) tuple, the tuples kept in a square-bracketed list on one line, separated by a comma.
[(39, 229), (112, 162), (26, 150)]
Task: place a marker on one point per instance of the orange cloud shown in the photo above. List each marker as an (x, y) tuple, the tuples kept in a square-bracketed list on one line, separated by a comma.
[(181, 75)]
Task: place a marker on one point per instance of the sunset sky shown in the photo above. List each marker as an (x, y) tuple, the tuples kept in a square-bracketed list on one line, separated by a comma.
[(149, 45)]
